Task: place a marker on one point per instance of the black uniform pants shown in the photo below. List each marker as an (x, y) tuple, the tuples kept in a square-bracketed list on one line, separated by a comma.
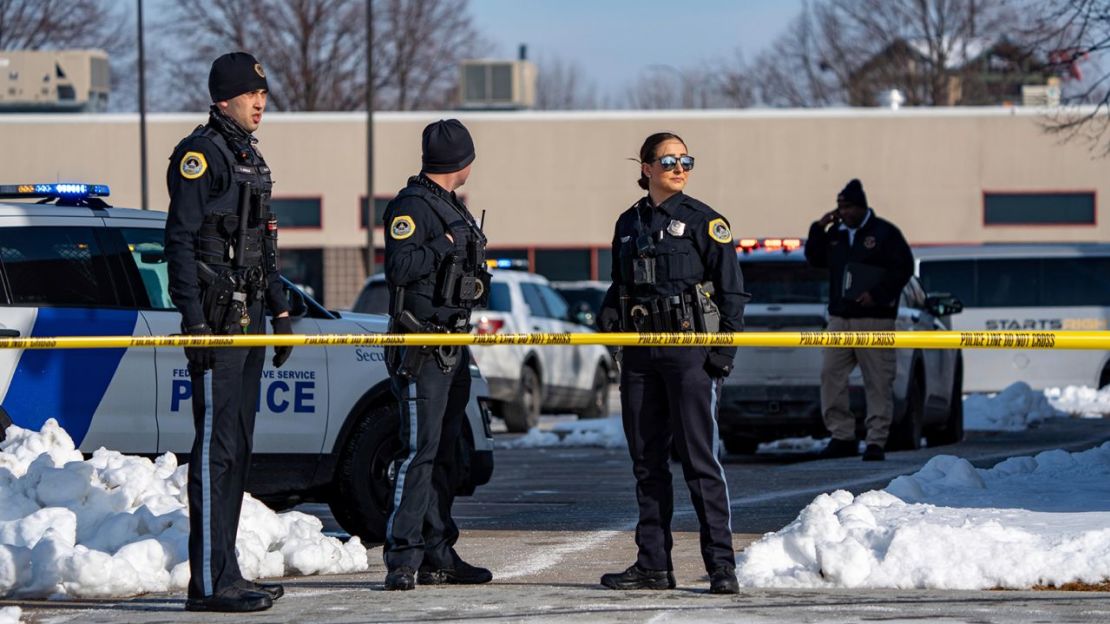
[(668, 398), (420, 530), (224, 403)]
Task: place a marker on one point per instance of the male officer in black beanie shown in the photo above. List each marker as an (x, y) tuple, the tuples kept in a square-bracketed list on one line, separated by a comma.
[(869, 263), (436, 270), (221, 247)]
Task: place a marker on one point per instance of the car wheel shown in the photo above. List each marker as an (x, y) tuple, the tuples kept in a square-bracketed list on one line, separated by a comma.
[(906, 434), (523, 413), (741, 445), (953, 431), (366, 473), (598, 406)]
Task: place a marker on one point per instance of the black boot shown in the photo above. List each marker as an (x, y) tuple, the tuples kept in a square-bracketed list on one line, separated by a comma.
[(273, 590), (723, 581), (462, 574), (231, 600), (400, 579), (636, 577), (840, 448), (874, 452)]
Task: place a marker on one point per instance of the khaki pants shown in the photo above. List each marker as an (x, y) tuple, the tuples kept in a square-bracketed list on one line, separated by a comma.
[(877, 366)]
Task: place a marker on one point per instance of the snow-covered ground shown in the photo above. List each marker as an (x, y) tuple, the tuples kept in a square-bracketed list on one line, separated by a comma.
[(1026, 521), (601, 432), (118, 525), (10, 615)]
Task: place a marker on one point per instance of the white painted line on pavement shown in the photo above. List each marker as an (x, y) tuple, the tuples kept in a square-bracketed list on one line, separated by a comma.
[(552, 556)]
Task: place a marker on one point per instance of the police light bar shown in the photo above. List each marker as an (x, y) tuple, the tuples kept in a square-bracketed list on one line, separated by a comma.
[(507, 263), (58, 190), (785, 245)]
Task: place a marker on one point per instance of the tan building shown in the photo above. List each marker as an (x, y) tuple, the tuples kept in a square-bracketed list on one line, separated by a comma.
[(552, 184)]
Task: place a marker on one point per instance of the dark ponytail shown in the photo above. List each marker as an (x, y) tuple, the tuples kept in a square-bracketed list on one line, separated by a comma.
[(647, 151)]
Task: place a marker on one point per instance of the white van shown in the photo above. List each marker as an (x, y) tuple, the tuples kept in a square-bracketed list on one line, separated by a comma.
[(327, 428), (1028, 287)]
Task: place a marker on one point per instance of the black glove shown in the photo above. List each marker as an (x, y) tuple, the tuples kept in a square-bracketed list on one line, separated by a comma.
[(718, 365), (609, 320), (282, 325), (200, 358)]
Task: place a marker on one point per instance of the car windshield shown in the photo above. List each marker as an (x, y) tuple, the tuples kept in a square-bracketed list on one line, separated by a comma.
[(576, 296), (785, 282)]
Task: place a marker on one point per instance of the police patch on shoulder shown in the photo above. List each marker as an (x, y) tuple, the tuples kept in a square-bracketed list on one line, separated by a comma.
[(193, 165), (718, 231), (402, 227)]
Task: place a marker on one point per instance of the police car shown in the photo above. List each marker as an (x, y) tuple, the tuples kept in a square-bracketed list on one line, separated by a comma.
[(775, 393), (326, 429), (526, 380)]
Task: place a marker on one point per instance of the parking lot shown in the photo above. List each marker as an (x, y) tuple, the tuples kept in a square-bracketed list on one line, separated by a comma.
[(552, 520)]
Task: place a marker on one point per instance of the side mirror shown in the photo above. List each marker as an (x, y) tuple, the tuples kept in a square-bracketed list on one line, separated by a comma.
[(297, 306), (583, 315), (943, 304), (151, 254)]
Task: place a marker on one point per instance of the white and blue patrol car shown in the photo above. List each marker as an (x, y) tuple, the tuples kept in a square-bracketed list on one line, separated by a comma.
[(326, 430)]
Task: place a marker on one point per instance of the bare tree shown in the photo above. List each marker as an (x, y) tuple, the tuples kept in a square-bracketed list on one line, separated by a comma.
[(74, 24), (314, 51), (562, 85), (669, 87), (847, 51), (1075, 36)]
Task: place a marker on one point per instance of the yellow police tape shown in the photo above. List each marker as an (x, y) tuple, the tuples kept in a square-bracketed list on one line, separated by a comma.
[(1099, 340)]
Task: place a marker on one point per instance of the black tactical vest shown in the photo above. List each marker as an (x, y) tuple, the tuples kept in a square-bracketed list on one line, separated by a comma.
[(218, 235), (443, 288)]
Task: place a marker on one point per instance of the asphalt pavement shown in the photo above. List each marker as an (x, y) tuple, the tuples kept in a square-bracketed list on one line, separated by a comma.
[(552, 520)]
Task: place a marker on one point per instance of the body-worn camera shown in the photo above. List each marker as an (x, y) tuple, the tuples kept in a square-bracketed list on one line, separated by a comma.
[(643, 267)]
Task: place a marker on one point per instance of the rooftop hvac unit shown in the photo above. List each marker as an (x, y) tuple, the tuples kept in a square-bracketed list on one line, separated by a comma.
[(497, 85), (1046, 95), (54, 81)]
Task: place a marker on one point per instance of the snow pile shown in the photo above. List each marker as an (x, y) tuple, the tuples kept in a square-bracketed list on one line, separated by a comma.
[(1026, 521), (117, 525), (1016, 408), (601, 432), (10, 615), (1080, 400), (794, 445)]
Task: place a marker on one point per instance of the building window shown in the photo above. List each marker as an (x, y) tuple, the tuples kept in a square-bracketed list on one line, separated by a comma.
[(563, 264), (297, 212), (1072, 208), (305, 268), (379, 210)]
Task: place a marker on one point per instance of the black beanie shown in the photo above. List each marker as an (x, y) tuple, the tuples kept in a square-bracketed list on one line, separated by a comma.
[(447, 147), (853, 194), (234, 74)]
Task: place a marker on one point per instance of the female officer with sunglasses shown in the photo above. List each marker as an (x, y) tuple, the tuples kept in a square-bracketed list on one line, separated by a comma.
[(674, 270)]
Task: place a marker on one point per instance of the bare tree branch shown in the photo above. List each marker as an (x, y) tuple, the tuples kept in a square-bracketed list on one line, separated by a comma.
[(314, 51), (561, 85)]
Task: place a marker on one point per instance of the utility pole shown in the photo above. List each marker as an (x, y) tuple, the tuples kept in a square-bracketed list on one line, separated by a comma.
[(369, 137), (142, 114)]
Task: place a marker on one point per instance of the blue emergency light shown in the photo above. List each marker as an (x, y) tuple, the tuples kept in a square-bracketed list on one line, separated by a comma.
[(507, 263), (59, 190)]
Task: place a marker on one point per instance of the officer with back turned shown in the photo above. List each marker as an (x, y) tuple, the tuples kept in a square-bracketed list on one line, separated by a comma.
[(436, 270), (221, 247)]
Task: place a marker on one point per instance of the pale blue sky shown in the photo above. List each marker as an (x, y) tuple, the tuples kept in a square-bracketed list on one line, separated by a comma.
[(614, 39)]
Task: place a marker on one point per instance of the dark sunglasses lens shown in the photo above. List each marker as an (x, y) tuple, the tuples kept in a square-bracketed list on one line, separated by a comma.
[(687, 162), (668, 162)]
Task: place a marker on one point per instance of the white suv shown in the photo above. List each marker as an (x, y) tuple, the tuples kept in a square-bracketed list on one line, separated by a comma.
[(327, 428), (525, 380)]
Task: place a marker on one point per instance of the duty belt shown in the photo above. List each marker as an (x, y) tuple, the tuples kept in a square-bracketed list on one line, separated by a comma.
[(674, 313)]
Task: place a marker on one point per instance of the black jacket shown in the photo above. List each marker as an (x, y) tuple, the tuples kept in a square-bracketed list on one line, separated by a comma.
[(698, 248), (202, 178), (877, 243), (416, 222)]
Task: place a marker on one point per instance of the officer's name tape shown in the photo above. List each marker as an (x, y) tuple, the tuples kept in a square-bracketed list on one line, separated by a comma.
[(1098, 340)]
